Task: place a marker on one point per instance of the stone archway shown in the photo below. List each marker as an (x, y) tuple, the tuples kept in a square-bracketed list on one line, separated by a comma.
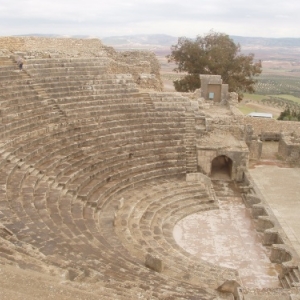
[(221, 167)]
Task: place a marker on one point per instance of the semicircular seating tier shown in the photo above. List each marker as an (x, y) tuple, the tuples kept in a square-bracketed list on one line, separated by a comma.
[(93, 180)]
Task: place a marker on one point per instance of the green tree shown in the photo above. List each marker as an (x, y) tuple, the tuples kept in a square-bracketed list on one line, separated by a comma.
[(214, 54)]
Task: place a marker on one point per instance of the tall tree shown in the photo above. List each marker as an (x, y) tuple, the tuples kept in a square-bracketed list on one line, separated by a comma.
[(215, 54)]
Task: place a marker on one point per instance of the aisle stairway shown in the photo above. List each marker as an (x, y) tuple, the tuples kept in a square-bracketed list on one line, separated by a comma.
[(190, 141)]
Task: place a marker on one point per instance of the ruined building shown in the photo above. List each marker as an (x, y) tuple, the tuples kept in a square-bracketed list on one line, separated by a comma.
[(98, 164)]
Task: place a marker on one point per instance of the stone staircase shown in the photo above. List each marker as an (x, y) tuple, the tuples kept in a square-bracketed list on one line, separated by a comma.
[(290, 278), (56, 108), (146, 97), (200, 125), (43, 95), (190, 142)]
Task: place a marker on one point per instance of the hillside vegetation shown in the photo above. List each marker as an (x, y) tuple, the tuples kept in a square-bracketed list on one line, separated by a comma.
[(278, 87)]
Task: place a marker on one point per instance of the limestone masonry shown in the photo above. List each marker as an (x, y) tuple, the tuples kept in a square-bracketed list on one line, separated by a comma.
[(98, 164)]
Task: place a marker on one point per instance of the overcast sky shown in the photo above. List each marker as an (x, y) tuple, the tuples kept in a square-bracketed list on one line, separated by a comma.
[(260, 18)]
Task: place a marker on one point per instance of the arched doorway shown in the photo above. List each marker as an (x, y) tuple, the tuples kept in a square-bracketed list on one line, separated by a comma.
[(221, 167)]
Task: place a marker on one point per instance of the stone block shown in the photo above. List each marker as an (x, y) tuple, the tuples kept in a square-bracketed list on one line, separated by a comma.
[(232, 287), (280, 253), (154, 263)]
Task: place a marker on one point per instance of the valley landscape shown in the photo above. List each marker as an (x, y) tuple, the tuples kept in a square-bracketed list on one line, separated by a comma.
[(278, 86)]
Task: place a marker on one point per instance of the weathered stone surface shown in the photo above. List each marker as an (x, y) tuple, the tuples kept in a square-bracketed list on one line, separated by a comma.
[(154, 263)]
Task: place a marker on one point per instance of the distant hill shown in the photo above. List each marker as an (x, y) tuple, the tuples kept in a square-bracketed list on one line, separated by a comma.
[(263, 48), (141, 39), (167, 40), (46, 35), (267, 42)]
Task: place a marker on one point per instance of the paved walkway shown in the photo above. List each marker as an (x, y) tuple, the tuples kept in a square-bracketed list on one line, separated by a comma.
[(227, 237), (281, 189)]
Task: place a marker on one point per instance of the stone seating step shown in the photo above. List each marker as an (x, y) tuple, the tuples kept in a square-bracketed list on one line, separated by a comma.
[(62, 61), (128, 149), (86, 86), (100, 182), (7, 68), (18, 85), (155, 196), (71, 71), (16, 130), (12, 108), (87, 101), (43, 248), (85, 165), (10, 76), (86, 79), (9, 98), (47, 136), (50, 146), (20, 115), (140, 206), (34, 66), (136, 180), (86, 82), (68, 91)]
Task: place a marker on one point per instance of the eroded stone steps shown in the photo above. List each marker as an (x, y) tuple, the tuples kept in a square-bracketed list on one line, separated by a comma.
[(25, 116), (16, 129), (76, 90), (290, 279), (38, 241), (138, 236), (56, 145)]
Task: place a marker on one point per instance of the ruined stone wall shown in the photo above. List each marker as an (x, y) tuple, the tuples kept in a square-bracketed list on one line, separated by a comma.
[(289, 148), (142, 65), (255, 149), (234, 125), (270, 125), (146, 71)]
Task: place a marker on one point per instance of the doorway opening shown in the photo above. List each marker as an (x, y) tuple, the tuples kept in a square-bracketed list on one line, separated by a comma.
[(221, 168)]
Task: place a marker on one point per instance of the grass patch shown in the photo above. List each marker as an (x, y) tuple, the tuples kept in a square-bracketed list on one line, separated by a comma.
[(245, 109), (254, 97), (288, 97)]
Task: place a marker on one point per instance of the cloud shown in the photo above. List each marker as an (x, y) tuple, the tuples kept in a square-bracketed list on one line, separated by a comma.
[(104, 18)]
